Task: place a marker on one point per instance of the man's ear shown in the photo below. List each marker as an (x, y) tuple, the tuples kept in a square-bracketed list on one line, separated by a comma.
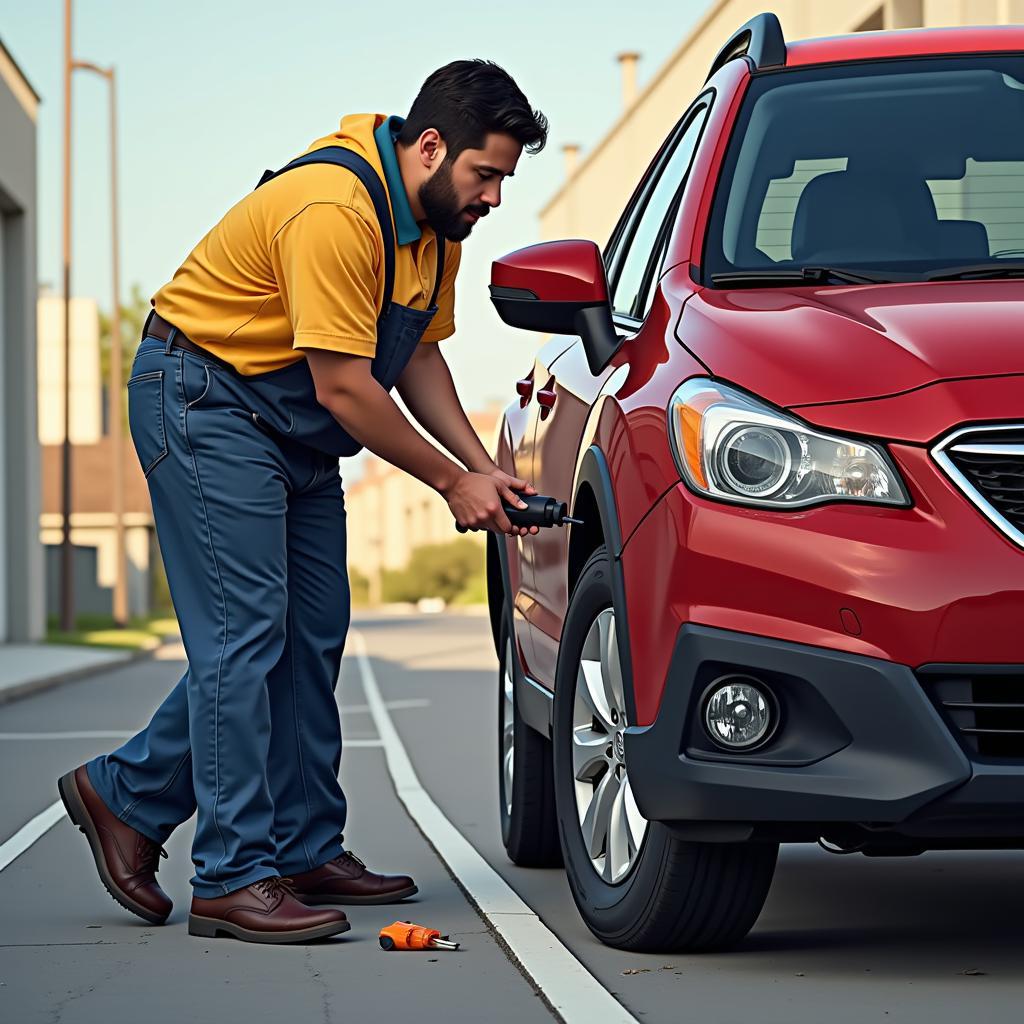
[(432, 149)]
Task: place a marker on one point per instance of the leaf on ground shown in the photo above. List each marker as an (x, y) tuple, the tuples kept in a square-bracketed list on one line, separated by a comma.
[(637, 970)]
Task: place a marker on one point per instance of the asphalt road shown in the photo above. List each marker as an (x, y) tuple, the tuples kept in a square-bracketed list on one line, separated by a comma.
[(842, 939)]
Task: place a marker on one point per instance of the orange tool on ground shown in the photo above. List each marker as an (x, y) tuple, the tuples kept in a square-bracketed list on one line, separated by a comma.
[(406, 935)]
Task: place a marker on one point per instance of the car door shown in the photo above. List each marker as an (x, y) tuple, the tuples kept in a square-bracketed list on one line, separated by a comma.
[(567, 390), (524, 598)]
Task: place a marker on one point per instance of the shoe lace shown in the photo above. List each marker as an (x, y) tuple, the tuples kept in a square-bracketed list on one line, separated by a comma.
[(348, 856), (149, 854), (271, 887)]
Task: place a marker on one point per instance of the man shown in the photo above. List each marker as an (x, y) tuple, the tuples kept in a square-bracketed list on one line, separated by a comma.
[(270, 354)]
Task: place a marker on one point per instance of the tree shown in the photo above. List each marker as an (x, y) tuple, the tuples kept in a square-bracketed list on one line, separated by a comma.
[(435, 570)]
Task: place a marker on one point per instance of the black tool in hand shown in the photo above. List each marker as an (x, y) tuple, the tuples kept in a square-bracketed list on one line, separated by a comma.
[(540, 511)]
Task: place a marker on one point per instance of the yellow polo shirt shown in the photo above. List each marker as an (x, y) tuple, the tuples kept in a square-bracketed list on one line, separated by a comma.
[(299, 263)]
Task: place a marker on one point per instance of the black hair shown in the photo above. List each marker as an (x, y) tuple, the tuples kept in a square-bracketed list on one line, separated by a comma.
[(468, 99)]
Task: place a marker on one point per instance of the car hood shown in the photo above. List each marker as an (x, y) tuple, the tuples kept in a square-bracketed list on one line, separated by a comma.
[(808, 346)]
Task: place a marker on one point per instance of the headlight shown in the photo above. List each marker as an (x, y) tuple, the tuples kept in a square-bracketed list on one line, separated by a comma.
[(729, 445)]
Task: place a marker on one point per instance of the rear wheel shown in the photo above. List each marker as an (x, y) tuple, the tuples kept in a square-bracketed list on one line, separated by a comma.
[(526, 798), (637, 886)]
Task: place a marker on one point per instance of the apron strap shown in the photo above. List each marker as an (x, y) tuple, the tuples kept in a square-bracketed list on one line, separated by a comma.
[(440, 271), (342, 157)]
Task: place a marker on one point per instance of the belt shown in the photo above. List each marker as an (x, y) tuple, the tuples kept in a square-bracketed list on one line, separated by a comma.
[(158, 327)]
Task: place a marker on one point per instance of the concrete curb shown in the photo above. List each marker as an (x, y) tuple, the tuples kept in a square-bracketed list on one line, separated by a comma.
[(32, 686)]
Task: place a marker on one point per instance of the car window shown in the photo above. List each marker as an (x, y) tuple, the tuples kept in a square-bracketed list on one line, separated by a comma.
[(903, 167), (638, 245)]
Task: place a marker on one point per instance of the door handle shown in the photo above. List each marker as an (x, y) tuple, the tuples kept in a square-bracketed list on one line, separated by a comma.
[(524, 388), (546, 399)]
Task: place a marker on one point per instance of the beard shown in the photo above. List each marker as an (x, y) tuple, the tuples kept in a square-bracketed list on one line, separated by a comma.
[(441, 205)]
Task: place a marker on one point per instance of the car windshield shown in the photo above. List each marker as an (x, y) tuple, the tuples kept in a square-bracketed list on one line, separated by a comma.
[(896, 169)]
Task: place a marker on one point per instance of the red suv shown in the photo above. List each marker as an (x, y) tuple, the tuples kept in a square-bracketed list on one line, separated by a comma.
[(787, 402)]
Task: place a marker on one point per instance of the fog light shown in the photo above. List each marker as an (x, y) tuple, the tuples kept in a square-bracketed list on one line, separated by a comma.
[(738, 713)]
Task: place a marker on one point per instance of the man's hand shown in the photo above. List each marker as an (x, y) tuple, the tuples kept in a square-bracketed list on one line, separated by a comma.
[(475, 501), (508, 486)]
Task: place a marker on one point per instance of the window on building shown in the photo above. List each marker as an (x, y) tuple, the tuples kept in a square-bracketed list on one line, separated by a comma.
[(874, 22)]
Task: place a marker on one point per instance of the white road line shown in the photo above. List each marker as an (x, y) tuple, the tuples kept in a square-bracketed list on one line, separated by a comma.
[(571, 989), (30, 832), (391, 705)]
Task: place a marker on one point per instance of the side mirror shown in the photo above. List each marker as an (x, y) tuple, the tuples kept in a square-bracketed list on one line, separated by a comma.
[(558, 288)]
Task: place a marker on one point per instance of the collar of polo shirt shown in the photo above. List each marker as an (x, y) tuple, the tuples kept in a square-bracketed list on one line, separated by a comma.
[(385, 135)]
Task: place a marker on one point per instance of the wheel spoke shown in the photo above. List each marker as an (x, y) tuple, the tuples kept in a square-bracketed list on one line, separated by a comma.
[(508, 776), (595, 822), (636, 823), (611, 670), (590, 689), (588, 753), (619, 853)]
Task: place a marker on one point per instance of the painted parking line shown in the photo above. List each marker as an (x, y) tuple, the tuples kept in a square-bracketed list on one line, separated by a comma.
[(30, 832), (575, 994)]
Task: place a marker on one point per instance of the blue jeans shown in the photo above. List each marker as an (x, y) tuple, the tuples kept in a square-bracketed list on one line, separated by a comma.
[(251, 527)]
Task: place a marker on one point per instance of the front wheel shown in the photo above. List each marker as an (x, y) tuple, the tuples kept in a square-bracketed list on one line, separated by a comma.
[(636, 885)]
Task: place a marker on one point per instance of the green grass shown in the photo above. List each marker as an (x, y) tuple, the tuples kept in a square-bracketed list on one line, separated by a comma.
[(99, 631)]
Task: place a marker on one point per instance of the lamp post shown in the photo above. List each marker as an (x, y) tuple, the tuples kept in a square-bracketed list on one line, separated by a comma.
[(116, 379), (67, 581)]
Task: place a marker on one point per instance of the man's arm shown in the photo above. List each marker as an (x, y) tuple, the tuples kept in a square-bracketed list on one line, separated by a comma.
[(427, 388), (347, 389)]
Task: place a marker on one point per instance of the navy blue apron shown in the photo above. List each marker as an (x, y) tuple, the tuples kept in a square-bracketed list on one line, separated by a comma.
[(288, 404)]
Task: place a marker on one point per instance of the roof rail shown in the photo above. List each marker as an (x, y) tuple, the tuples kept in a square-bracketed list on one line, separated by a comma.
[(760, 39)]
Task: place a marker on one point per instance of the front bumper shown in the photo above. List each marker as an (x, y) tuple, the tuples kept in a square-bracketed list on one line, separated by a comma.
[(860, 743)]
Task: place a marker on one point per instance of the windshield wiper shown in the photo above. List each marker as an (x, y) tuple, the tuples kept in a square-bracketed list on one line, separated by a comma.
[(798, 275), (979, 272)]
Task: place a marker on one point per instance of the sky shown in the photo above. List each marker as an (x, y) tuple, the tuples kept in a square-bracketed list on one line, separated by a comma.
[(213, 92)]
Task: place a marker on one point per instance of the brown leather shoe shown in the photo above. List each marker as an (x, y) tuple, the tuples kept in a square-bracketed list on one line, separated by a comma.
[(265, 911), (346, 879), (126, 860)]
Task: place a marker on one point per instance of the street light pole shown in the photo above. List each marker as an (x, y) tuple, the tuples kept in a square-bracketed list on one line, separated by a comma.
[(67, 582), (115, 383)]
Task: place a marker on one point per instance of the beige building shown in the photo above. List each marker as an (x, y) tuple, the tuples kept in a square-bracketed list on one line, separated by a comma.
[(86, 399), (21, 556), (599, 183), (93, 523), (389, 512)]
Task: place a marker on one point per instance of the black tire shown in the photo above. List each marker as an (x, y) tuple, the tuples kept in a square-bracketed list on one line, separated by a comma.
[(677, 895), (528, 826)]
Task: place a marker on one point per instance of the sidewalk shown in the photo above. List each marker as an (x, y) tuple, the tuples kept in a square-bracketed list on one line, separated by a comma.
[(28, 668)]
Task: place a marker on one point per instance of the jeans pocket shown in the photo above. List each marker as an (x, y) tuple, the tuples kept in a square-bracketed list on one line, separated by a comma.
[(146, 418)]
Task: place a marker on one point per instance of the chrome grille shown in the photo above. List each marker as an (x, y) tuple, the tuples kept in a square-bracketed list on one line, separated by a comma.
[(987, 464), (983, 704)]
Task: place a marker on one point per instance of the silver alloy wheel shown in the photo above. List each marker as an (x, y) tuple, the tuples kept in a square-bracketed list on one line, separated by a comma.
[(508, 726), (612, 826)]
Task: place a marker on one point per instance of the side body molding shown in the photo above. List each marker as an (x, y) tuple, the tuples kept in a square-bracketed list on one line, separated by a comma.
[(533, 701)]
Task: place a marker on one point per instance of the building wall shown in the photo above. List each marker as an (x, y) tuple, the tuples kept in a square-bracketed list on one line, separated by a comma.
[(86, 398), (21, 560), (590, 201)]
